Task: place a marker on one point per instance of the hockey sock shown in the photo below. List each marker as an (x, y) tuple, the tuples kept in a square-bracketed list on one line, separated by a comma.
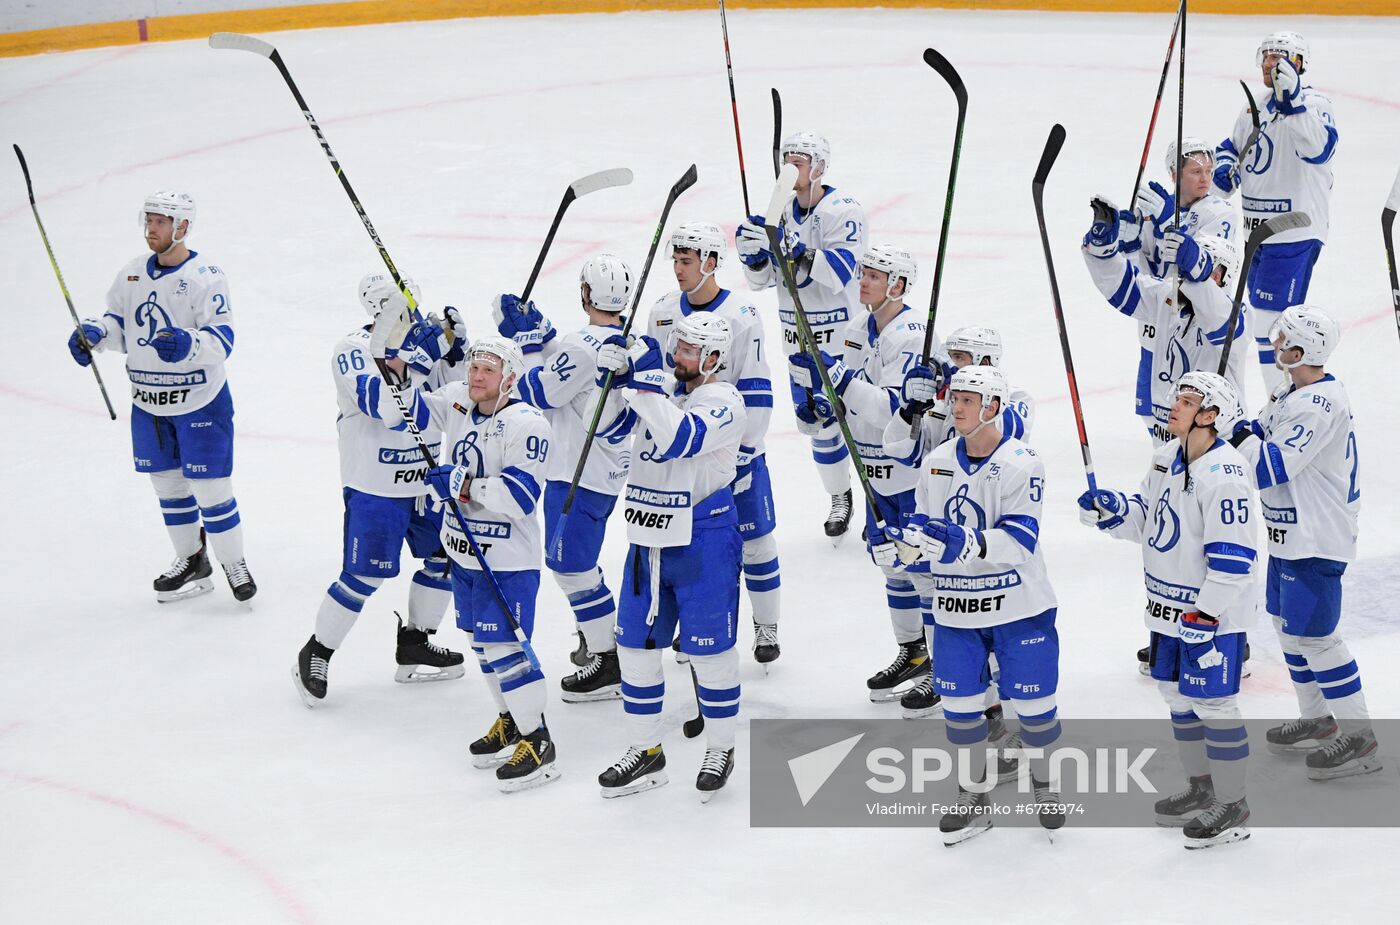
[(219, 510), (521, 685), (903, 601), (762, 578), (1190, 734), (643, 689), (344, 600), (967, 731), (1039, 729), (718, 677), (492, 683), (1336, 675), (1227, 747), (595, 610), (180, 510), (1311, 703), (429, 594), (830, 454)]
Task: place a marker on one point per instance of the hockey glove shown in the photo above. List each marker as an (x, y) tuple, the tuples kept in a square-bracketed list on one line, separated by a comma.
[(640, 365), (883, 551), (803, 371), (94, 334), (424, 344), (1155, 202), (1103, 509), (175, 344), (455, 323), (1180, 248), (921, 386), (1288, 88), (1244, 430), (1197, 632), (1227, 174), (950, 543), (751, 241), (450, 483), (521, 322), (796, 250)]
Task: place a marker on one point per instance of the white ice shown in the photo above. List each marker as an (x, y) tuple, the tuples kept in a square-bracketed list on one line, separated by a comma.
[(155, 763)]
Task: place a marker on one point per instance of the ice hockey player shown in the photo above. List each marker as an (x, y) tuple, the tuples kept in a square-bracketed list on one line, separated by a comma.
[(977, 524), (824, 233), (381, 474), (1289, 169), (682, 571), (1303, 455), (1195, 517), (170, 314), (563, 388), (892, 339), (1154, 208), (697, 252)]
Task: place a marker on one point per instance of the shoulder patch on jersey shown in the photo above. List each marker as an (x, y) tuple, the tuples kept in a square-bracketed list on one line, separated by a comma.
[(1158, 467), (854, 345), (662, 322), (937, 471)]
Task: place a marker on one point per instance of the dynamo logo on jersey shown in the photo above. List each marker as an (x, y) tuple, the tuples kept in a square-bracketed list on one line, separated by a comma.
[(153, 318), (465, 448), (1178, 364), (1167, 524), (1263, 155), (962, 510)]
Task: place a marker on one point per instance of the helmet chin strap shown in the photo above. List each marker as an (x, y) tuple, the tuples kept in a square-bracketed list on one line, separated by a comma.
[(986, 406), (174, 241), (704, 274)]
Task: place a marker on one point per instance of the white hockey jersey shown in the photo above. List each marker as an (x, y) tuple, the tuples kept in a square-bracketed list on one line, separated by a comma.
[(834, 233), (1206, 216), (565, 389), (1198, 538), (936, 427), (1306, 468), (1171, 342), (147, 297), (372, 459), (1290, 167), (746, 366), (1000, 496), (686, 449)]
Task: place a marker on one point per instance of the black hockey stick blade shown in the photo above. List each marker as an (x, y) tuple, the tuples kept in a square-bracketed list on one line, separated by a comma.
[(1258, 236), (696, 724), (28, 183), (946, 70), (1053, 144), (777, 131), (1392, 205), (1254, 130)]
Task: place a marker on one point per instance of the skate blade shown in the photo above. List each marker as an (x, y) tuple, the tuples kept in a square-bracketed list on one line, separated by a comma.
[(911, 713), (1302, 747), (1239, 833), (306, 696), (1176, 822), (611, 692), (708, 795), (487, 762), (1353, 768), (545, 774), (896, 693), (642, 785), (414, 674), (192, 589), (1144, 669), (836, 540), (971, 831)]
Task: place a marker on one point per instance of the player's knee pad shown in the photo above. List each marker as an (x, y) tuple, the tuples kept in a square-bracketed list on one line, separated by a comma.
[(433, 574), (1040, 722), (1322, 651), (509, 664), (760, 550), (640, 667), (577, 582), (351, 591), (1214, 709), (1029, 709), (170, 484), (212, 492), (720, 670), (962, 709), (1176, 701)]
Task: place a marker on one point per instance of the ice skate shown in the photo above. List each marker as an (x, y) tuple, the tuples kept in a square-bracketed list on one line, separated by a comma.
[(921, 700), (1048, 808), (240, 580), (1008, 759), (488, 751), (600, 679), (1180, 808), (996, 724), (765, 644), (532, 763), (580, 654), (1348, 755), (1145, 661), (419, 660), (967, 818), (187, 577), (1301, 735), (311, 672), (838, 520), (715, 769), (909, 665), (1220, 824), (636, 771)]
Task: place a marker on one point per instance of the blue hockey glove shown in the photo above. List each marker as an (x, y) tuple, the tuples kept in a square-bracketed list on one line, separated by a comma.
[(1154, 201), (883, 551), (455, 323), (1191, 259), (751, 241), (94, 335), (803, 371), (449, 482), (1227, 174), (640, 365), (1103, 509), (1244, 429), (948, 542), (921, 386), (1197, 632), (173, 344), (424, 344), (1288, 88)]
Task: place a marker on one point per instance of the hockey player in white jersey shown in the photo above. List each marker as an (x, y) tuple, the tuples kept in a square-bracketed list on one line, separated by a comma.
[(1195, 518), (697, 252), (977, 525), (682, 572), (563, 388), (1303, 455), (1289, 169), (892, 341), (381, 474), (170, 313), (824, 233), (1154, 208)]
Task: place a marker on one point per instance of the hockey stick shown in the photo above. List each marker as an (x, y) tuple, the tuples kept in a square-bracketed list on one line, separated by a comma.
[(1157, 104), (1253, 132), (777, 131), (257, 46), (1392, 205), (1047, 160), (1176, 172), (696, 725), (603, 179), (734, 105), (1258, 236), (53, 261), (686, 181), (945, 70)]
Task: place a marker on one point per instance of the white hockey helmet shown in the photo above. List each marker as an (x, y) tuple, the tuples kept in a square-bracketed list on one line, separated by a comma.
[(505, 351), (981, 343), (609, 281), (704, 238), (813, 146), (1290, 44), (987, 381), (1223, 252), (178, 206), (1216, 392), (1309, 329), (1190, 147), (376, 287), (705, 330), (895, 261)]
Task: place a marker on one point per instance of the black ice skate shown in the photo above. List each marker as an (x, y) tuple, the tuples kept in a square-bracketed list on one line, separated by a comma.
[(1220, 824), (580, 654), (1301, 735), (186, 577), (967, 818), (1008, 759), (1048, 807), (419, 660), (839, 518), (715, 769), (996, 724), (909, 665), (240, 580), (1347, 755), (1145, 661), (531, 765), (311, 672), (487, 751), (765, 644), (921, 700), (637, 771), (600, 679), (1180, 808)]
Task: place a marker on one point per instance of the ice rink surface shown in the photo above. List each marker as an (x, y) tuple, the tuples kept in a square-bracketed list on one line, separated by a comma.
[(155, 763)]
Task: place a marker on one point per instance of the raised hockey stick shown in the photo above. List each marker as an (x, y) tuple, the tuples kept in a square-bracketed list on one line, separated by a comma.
[(945, 70), (1392, 205), (1258, 236), (777, 131), (53, 261), (1180, 125), (1157, 103), (734, 105), (1253, 131), (603, 179), (1053, 144)]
